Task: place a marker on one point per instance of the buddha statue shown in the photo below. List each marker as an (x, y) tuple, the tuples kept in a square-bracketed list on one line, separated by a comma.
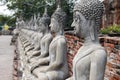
[(33, 44), (90, 61), (45, 41), (57, 68), (38, 18), (29, 34), (22, 22), (35, 38), (36, 55), (15, 32)]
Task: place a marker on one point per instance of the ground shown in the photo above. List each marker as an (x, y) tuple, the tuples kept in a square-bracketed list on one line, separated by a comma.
[(6, 58)]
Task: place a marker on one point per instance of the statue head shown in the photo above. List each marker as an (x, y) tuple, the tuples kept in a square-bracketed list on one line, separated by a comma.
[(38, 15), (38, 18), (17, 23), (87, 17), (22, 23), (58, 20), (44, 21)]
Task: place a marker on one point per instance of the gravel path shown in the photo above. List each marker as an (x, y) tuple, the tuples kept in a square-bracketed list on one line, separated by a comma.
[(6, 58)]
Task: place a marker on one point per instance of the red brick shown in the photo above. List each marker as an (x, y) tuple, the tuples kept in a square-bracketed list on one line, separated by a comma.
[(108, 43)]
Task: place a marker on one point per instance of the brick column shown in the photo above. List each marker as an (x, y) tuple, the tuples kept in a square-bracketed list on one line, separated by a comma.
[(117, 12)]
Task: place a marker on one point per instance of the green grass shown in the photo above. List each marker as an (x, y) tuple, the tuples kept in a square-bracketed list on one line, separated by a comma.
[(111, 29)]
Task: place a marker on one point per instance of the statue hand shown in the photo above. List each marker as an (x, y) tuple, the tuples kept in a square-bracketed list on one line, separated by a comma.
[(44, 69), (70, 78), (34, 65)]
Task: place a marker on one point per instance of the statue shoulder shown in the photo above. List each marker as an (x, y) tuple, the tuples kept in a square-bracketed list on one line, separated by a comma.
[(49, 35), (100, 54), (62, 41), (47, 38)]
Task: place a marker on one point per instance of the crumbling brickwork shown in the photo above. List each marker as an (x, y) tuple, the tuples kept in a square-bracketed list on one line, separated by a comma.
[(112, 13), (112, 45)]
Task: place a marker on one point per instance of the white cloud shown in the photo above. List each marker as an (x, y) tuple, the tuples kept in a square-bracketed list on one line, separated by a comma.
[(4, 10)]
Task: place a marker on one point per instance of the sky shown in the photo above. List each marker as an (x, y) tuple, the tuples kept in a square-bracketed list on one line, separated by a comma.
[(5, 11)]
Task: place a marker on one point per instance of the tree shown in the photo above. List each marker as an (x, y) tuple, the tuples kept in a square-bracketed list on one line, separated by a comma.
[(10, 20), (27, 8)]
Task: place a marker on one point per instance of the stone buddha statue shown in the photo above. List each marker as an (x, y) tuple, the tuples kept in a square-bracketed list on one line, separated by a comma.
[(31, 46), (15, 32), (17, 23), (43, 52), (57, 68), (46, 39), (30, 25), (35, 38), (32, 39), (22, 23), (90, 60), (17, 26), (29, 34), (38, 17)]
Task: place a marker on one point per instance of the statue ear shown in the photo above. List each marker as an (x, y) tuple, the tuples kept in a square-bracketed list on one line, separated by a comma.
[(91, 29)]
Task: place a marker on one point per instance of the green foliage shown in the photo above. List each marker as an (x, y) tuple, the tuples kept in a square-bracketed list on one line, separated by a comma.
[(7, 20), (27, 8), (111, 29)]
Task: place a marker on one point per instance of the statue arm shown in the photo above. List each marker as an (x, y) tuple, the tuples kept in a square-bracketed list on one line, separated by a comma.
[(46, 51), (34, 54), (60, 53), (37, 47), (98, 64), (42, 61)]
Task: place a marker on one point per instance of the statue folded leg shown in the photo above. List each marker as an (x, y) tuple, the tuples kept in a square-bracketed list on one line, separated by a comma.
[(51, 75), (40, 69)]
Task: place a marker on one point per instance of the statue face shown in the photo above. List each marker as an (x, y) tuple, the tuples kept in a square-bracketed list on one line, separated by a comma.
[(54, 25), (79, 24)]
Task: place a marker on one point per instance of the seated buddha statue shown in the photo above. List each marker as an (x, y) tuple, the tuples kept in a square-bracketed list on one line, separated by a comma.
[(57, 67), (90, 61), (45, 41)]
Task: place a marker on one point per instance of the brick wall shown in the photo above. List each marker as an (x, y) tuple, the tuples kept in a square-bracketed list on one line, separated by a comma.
[(73, 44), (112, 46), (112, 13)]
